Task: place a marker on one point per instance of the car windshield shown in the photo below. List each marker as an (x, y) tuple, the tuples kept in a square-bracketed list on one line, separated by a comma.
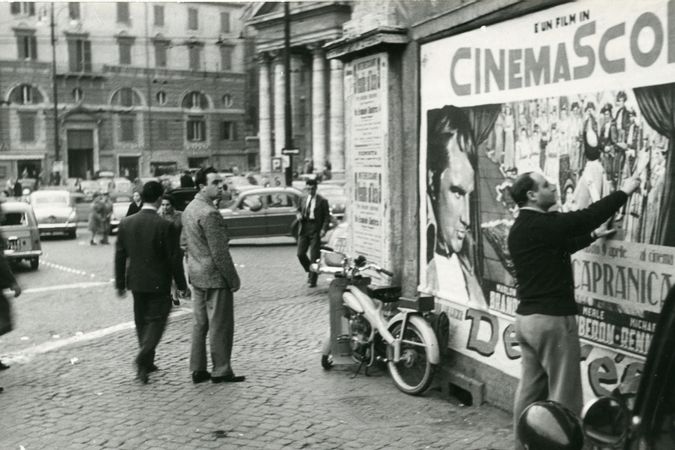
[(50, 199), (13, 218), (333, 193)]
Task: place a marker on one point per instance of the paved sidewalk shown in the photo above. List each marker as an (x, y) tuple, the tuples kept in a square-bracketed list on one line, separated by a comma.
[(286, 401)]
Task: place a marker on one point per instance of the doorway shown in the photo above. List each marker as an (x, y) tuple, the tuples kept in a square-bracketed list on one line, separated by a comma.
[(129, 167), (80, 154)]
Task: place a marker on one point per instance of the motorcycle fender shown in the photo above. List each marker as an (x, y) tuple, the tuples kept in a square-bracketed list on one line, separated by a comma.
[(433, 352), (351, 301)]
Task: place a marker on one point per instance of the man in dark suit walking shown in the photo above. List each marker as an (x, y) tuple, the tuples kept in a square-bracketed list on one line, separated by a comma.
[(150, 245), (314, 218)]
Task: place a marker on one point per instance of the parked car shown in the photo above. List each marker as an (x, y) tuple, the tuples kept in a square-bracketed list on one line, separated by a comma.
[(121, 186), (639, 414), (19, 228), (263, 212), (55, 212), (120, 207), (28, 185), (336, 196)]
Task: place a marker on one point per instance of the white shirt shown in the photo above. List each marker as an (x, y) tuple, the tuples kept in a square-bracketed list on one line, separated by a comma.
[(309, 207)]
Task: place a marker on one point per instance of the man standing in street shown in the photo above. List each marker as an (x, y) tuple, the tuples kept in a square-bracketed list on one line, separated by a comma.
[(150, 245), (541, 243), (313, 218), (214, 280)]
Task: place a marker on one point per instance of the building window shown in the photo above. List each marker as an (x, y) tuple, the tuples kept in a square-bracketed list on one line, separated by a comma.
[(161, 97), (163, 130), (125, 45), (77, 94), (193, 19), (224, 22), (225, 57), (158, 11), (195, 100), (79, 55), (126, 97), (26, 45), (25, 8), (27, 125), (228, 130), (195, 56), (25, 94), (161, 48), (74, 10), (196, 129), (128, 128), (123, 12), (227, 100)]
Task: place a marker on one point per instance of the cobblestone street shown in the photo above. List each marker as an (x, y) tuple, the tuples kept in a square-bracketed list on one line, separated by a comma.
[(56, 401)]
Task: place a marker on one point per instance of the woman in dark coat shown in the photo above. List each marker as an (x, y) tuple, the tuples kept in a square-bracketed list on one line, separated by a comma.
[(7, 281)]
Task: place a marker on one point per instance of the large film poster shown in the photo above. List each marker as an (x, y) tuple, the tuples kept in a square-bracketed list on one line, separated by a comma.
[(582, 93)]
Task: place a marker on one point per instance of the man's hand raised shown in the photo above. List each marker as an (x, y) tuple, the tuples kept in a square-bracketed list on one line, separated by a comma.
[(630, 184)]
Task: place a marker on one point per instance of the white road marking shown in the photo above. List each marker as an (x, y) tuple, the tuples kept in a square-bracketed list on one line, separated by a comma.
[(64, 268), (84, 285), (24, 356)]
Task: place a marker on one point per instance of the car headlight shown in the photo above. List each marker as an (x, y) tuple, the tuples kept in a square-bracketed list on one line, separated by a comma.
[(25, 191), (72, 216)]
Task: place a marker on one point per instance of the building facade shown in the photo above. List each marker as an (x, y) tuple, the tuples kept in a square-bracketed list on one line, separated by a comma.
[(139, 89)]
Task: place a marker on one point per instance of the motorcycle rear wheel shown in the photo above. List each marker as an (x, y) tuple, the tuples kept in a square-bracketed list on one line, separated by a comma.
[(413, 373)]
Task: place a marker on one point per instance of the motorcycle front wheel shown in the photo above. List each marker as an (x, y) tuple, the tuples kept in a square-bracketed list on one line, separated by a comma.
[(413, 373)]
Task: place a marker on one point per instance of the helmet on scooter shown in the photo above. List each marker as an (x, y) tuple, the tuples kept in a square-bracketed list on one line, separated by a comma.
[(549, 425)]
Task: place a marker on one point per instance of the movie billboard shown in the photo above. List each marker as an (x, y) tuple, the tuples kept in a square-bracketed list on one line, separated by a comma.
[(582, 93)]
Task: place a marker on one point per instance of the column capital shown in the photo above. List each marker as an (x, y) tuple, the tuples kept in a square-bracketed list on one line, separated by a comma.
[(316, 48), (262, 57)]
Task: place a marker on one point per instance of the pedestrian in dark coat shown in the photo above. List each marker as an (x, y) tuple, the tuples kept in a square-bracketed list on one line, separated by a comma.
[(147, 258), (7, 281)]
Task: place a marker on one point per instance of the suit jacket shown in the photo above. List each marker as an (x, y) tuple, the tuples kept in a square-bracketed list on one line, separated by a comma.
[(150, 244), (205, 234), (321, 212)]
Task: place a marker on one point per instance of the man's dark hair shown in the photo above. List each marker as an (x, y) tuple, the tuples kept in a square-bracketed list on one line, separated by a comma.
[(519, 188), (152, 190), (621, 95), (200, 177), (606, 108), (168, 196), (310, 182), (442, 124)]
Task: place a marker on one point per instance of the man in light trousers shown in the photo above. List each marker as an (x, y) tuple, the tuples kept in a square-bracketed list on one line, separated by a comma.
[(214, 280)]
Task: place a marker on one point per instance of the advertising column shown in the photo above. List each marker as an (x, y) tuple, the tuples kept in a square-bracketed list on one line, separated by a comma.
[(367, 170), (581, 93)]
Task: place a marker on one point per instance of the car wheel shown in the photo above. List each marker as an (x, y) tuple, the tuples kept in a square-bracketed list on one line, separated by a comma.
[(34, 263), (72, 234)]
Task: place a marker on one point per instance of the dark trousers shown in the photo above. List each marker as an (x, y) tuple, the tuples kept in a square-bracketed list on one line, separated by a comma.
[(309, 238), (151, 311)]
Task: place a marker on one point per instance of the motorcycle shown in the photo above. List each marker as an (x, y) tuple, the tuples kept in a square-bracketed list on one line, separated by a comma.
[(376, 331)]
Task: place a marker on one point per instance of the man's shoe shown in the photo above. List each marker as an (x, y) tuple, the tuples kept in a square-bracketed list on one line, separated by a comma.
[(230, 378), (1, 389), (92, 242), (3, 366), (142, 376), (200, 376), (153, 368), (105, 242), (312, 284)]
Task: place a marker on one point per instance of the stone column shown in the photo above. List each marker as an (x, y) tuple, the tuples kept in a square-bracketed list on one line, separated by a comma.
[(264, 115), (337, 120), (318, 108), (279, 93)]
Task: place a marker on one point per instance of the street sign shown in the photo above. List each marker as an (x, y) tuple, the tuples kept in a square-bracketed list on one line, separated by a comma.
[(290, 151)]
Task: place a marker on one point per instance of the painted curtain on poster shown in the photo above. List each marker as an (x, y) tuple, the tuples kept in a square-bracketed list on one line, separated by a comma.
[(585, 94)]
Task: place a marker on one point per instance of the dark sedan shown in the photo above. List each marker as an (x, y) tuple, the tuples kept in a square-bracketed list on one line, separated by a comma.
[(263, 212)]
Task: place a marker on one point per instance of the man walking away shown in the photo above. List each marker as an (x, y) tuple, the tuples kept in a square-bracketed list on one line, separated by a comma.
[(540, 243), (150, 245), (214, 280), (314, 218)]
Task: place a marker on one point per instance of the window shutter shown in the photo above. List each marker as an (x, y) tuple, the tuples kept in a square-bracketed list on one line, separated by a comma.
[(31, 8), (225, 22), (74, 10), (21, 46), (226, 57), (234, 131), (87, 56), (27, 121), (159, 15), (15, 7), (33, 47), (73, 63)]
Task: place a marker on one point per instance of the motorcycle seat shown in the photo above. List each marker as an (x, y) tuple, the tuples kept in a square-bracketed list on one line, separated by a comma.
[(387, 294)]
